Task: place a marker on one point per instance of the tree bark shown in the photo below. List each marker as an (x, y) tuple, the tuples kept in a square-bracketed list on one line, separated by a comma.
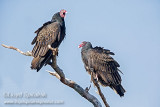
[(61, 76)]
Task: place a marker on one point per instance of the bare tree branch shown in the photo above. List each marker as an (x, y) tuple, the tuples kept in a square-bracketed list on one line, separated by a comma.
[(100, 92), (61, 76), (78, 89), (28, 53)]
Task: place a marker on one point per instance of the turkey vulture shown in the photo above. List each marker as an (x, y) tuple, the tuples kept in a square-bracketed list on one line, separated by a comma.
[(51, 33), (101, 66)]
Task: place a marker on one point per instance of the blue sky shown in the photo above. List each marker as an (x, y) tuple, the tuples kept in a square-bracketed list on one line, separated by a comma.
[(129, 28)]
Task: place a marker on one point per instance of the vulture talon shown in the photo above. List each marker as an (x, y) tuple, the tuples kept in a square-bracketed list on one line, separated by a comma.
[(55, 51)]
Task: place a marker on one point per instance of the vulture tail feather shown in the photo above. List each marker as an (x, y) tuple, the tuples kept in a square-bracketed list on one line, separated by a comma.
[(38, 62), (119, 90)]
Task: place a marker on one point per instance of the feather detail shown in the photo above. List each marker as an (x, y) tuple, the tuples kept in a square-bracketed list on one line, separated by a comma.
[(47, 36), (105, 67), (51, 33)]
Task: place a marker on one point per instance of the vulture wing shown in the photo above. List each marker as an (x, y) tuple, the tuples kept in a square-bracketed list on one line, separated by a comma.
[(105, 69), (38, 30), (45, 36), (104, 66)]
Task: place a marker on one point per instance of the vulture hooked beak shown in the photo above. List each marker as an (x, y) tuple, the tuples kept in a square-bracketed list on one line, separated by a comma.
[(81, 45)]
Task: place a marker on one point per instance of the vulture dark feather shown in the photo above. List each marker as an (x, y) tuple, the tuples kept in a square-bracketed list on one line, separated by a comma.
[(102, 67), (51, 33)]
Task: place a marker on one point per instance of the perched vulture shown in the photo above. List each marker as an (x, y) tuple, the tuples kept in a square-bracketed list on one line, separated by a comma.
[(51, 33), (101, 66)]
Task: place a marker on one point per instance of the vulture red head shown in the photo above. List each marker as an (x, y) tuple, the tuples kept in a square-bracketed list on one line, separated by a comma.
[(82, 44), (63, 13), (85, 44)]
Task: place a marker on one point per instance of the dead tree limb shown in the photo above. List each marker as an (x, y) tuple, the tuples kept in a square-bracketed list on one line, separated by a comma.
[(61, 76), (28, 53), (100, 92)]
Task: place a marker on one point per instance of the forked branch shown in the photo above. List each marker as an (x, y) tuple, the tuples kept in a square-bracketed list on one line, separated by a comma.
[(61, 76)]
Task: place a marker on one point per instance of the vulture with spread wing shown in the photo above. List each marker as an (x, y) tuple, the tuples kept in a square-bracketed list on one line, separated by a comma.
[(102, 67), (51, 34)]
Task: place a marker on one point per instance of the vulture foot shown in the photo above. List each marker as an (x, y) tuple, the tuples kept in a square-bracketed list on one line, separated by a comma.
[(55, 51)]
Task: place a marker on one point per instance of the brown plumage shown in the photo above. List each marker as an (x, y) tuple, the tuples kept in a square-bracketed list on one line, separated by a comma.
[(46, 37), (102, 66), (51, 33)]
